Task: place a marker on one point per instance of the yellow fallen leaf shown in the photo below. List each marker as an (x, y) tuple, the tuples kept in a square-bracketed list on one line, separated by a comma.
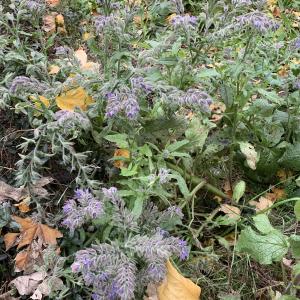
[(53, 69), (59, 19), (124, 153), (283, 71), (86, 36), (177, 287), (38, 103), (76, 97)]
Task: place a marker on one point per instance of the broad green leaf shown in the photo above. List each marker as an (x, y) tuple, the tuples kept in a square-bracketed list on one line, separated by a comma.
[(207, 73), (271, 96), (120, 139), (175, 146), (295, 245), (227, 95), (297, 210), (239, 191), (291, 157), (262, 223), (129, 171), (263, 248)]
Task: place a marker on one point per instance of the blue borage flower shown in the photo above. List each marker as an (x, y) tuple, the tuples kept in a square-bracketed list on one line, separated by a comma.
[(69, 119), (185, 22), (26, 84), (111, 24), (81, 209), (35, 5), (111, 269), (124, 100)]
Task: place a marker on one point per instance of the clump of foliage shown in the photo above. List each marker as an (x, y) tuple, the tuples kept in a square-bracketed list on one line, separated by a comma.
[(187, 111)]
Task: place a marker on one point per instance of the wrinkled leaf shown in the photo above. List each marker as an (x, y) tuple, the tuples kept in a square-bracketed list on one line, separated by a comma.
[(27, 284), (271, 245)]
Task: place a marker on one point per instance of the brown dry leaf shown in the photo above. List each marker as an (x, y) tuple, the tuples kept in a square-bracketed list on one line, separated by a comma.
[(27, 284), (9, 192), (53, 70), (276, 12), (27, 259), (10, 240), (49, 25), (284, 175), (177, 287), (53, 3), (76, 97), (30, 231), (217, 109), (24, 205), (231, 211), (121, 153), (227, 189), (283, 71), (262, 204), (48, 286)]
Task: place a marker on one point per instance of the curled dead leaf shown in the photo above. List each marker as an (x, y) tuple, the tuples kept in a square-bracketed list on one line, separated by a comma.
[(23, 206), (9, 192), (177, 287)]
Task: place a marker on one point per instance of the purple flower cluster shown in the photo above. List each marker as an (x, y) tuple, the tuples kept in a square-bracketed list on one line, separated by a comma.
[(163, 175), (122, 216), (109, 24), (70, 119), (139, 85), (26, 84), (35, 5), (296, 43), (196, 98), (108, 270), (83, 208), (125, 101), (156, 250), (258, 21), (185, 22)]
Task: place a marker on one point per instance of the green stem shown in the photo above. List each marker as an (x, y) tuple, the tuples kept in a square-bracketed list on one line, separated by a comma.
[(196, 180)]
